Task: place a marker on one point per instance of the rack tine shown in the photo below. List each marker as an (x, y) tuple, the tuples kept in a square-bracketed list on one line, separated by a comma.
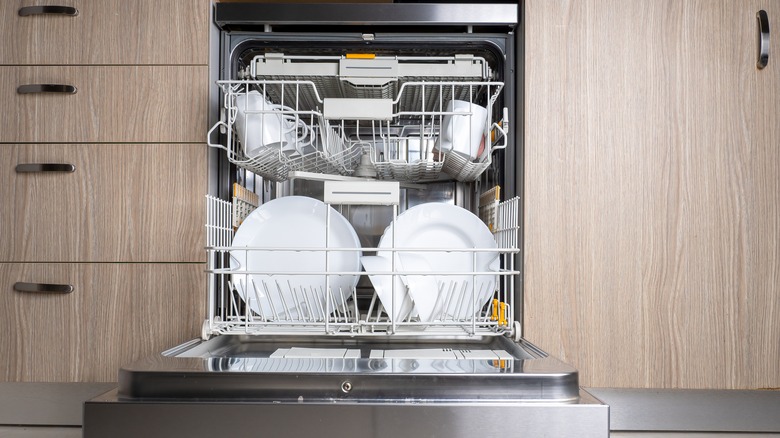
[(257, 297), (233, 304), (304, 305), (270, 298), (371, 306)]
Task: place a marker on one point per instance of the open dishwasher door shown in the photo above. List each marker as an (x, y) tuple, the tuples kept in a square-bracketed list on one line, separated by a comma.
[(363, 238), (337, 387)]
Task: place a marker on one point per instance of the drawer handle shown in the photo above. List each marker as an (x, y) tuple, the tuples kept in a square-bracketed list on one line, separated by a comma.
[(46, 88), (45, 167), (43, 288), (763, 39), (50, 10)]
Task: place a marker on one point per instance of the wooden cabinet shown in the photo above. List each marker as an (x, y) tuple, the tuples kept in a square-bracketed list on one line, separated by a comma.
[(652, 192), (115, 314), (123, 203), (131, 32), (126, 228), (111, 104)]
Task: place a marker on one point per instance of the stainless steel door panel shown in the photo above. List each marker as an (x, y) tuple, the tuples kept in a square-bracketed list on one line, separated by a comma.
[(107, 415)]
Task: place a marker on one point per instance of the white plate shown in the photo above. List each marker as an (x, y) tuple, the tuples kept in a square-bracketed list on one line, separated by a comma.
[(422, 289), (294, 222), (437, 225), (390, 289)]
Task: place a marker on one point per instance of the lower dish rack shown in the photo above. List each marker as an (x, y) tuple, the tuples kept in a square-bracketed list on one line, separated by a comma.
[(314, 300)]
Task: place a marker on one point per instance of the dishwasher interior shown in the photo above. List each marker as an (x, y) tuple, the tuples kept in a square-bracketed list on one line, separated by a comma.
[(363, 220)]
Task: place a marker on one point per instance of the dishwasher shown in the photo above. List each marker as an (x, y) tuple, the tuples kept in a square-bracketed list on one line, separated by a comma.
[(363, 237)]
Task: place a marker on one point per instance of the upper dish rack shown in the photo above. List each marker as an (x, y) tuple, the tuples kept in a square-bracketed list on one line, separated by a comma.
[(339, 312), (382, 117)]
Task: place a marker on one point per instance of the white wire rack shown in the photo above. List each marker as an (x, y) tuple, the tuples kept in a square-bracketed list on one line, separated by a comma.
[(324, 311), (319, 150), (219, 222), (368, 76), (337, 117), (408, 145)]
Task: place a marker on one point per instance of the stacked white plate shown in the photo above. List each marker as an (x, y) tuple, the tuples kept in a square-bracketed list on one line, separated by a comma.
[(443, 290), (279, 230)]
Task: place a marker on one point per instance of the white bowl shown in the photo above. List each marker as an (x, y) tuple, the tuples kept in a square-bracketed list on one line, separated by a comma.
[(261, 124), (465, 131)]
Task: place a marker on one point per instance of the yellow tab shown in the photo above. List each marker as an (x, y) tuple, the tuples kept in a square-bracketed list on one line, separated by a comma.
[(495, 310), (361, 56), (499, 363), (502, 315)]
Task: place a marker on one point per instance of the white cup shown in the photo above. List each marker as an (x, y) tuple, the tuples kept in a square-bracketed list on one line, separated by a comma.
[(260, 124), (463, 133)]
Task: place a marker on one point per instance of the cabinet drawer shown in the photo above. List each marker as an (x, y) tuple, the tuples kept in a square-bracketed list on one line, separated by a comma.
[(111, 104), (106, 32), (116, 313), (123, 203)]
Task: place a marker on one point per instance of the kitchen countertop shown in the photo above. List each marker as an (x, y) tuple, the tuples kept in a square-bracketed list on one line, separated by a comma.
[(46, 404), (698, 410)]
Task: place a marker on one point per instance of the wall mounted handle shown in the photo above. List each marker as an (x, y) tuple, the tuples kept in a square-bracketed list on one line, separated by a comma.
[(48, 10), (763, 39), (45, 288), (45, 167), (46, 88)]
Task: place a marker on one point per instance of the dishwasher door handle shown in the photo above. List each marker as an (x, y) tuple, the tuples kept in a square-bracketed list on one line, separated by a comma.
[(48, 10), (44, 167), (45, 288)]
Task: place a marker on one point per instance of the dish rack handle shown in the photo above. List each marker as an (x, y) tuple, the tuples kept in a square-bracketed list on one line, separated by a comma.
[(503, 128), (209, 134)]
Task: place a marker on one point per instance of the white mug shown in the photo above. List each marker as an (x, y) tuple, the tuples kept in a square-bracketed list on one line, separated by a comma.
[(463, 133), (260, 124)]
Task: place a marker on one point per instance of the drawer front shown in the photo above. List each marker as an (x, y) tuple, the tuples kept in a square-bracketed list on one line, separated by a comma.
[(115, 314), (144, 104), (122, 203), (105, 32)]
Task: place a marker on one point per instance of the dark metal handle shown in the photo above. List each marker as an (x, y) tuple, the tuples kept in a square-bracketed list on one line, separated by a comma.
[(45, 167), (52, 10), (43, 288), (46, 88), (763, 39)]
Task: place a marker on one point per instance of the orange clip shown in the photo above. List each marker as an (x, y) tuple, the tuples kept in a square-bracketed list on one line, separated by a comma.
[(360, 56)]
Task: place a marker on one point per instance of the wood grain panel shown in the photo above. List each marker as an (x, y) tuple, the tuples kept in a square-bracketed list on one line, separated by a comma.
[(117, 313), (652, 252), (107, 32), (124, 203), (112, 104)]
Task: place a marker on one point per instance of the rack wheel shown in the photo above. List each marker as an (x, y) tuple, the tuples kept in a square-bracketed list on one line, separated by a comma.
[(518, 333), (205, 331)]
